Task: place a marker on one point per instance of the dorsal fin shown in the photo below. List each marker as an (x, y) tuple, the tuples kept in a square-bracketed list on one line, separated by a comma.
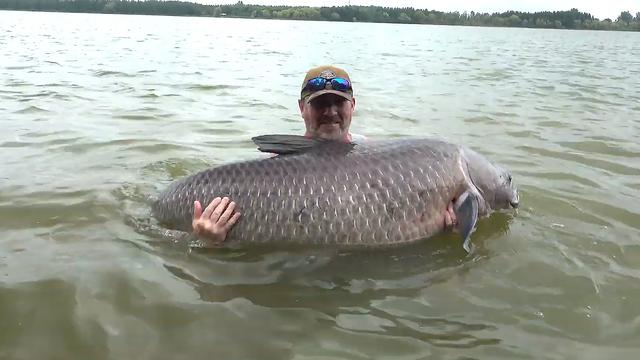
[(294, 144)]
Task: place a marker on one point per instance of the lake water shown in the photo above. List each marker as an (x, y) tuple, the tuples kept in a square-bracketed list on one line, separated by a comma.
[(99, 112)]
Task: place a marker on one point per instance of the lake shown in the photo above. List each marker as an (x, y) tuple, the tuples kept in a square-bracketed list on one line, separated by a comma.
[(101, 112)]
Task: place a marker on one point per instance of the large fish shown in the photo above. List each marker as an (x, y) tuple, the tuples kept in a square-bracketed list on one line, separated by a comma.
[(327, 192)]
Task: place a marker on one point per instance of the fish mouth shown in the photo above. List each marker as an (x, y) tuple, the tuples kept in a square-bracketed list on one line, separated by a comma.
[(515, 202)]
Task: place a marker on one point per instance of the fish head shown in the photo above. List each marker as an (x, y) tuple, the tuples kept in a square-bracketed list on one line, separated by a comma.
[(493, 182), (505, 192)]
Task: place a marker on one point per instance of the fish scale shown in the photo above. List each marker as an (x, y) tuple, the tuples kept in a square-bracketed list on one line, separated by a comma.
[(378, 193)]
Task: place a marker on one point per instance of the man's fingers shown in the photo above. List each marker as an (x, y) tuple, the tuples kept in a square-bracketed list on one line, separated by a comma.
[(452, 214), (227, 213), (197, 209), (219, 209), (211, 207), (216, 219), (447, 220), (233, 220)]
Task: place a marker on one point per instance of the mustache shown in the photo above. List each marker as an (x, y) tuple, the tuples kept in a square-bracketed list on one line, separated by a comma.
[(329, 120)]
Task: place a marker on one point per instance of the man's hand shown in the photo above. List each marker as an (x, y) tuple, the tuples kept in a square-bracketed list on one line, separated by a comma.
[(450, 220), (216, 220)]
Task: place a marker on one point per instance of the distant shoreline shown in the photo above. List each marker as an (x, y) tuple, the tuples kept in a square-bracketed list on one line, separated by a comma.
[(571, 19)]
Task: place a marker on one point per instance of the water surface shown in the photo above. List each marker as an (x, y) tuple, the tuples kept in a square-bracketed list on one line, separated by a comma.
[(99, 112)]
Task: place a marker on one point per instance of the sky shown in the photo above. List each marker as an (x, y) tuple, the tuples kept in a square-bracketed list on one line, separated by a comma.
[(601, 9)]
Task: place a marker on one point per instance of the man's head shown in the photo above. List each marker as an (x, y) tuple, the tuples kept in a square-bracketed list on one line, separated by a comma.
[(327, 103)]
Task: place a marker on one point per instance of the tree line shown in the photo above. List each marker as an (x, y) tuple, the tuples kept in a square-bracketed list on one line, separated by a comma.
[(571, 19)]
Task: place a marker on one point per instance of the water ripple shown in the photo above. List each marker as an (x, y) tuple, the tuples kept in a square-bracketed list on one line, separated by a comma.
[(107, 73), (578, 158), (31, 110)]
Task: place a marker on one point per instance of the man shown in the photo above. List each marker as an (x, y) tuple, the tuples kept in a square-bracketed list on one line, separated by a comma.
[(326, 104)]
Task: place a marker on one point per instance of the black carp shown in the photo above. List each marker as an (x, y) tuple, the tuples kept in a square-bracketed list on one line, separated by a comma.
[(328, 192)]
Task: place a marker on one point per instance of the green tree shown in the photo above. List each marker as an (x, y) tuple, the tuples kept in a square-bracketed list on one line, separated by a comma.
[(514, 20), (110, 6), (625, 17), (420, 17), (404, 18)]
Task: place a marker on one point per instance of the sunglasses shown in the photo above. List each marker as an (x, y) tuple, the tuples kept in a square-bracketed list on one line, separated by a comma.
[(320, 83)]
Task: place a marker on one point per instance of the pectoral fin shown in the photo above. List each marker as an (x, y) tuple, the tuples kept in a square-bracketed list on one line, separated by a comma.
[(466, 209)]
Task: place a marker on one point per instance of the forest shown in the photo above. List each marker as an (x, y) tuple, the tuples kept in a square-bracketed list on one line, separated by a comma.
[(570, 19)]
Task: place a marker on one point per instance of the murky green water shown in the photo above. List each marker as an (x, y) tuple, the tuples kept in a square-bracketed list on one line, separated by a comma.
[(101, 111)]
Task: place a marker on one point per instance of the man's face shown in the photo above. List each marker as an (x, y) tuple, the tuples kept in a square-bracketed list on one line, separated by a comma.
[(328, 116)]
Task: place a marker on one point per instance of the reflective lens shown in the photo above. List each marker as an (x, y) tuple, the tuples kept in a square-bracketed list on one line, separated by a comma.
[(319, 83), (316, 84), (340, 84)]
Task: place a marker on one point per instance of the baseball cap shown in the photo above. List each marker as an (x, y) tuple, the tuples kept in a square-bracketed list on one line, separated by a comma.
[(327, 72)]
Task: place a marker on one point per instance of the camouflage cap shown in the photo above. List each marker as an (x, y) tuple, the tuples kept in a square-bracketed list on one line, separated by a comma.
[(327, 72)]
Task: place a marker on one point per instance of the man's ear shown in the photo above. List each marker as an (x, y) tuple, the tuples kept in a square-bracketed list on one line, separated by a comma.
[(353, 104), (301, 104)]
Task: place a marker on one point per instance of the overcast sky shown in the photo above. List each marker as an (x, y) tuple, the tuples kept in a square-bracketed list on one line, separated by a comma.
[(599, 8)]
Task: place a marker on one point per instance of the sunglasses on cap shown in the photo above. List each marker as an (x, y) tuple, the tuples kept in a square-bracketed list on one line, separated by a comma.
[(320, 83)]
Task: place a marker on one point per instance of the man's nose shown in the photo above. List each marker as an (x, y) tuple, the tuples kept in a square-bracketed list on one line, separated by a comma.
[(330, 109)]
